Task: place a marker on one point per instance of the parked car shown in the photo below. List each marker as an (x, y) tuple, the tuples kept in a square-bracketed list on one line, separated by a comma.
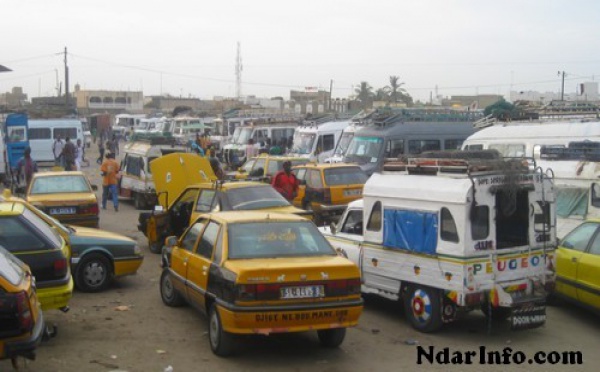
[(187, 188), (21, 319), (261, 273), (97, 256), (42, 248), (578, 265), (264, 166), (327, 189), (67, 196)]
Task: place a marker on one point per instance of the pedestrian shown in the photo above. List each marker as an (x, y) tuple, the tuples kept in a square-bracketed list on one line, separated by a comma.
[(26, 167), (69, 154), (250, 149), (111, 145), (101, 151), (286, 182), (197, 145), (215, 164), (79, 150), (57, 149), (110, 171)]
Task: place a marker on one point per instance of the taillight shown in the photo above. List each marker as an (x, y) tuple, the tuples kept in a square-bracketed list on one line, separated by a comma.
[(89, 209), (24, 312), (60, 267), (321, 195), (253, 292), (343, 287)]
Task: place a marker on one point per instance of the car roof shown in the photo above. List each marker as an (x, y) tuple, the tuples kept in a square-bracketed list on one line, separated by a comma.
[(58, 173), (231, 185), (326, 165), (11, 208), (253, 216)]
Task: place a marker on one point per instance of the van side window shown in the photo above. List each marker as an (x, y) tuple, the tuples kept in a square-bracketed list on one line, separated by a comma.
[(39, 133), (66, 132), (453, 144), (328, 142), (375, 218), (448, 230), (418, 146), (480, 222), (134, 165), (394, 148), (474, 147)]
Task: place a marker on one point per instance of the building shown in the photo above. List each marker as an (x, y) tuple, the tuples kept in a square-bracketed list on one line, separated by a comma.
[(309, 101), (587, 91), (107, 101), (13, 99)]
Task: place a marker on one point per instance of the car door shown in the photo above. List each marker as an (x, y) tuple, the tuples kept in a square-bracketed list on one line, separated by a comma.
[(588, 275), (181, 254), (301, 175), (568, 255), (350, 235), (199, 266)]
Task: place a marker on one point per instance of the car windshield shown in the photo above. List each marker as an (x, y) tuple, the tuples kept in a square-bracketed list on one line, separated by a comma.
[(303, 143), (257, 197), (364, 149), (245, 134), (345, 176), (343, 144), (275, 239), (60, 185)]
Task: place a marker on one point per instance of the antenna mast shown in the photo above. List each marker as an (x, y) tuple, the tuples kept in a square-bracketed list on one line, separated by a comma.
[(238, 72)]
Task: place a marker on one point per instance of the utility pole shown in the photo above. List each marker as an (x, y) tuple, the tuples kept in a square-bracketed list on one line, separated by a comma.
[(238, 72), (330, 90), (66, 80), (562, 86)]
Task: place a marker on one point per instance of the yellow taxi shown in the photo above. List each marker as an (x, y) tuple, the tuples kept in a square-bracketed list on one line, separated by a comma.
[(264, 166), (42, 248), (326, 189), (578, 265), (187, 187), (261, 273), (67, 196), (20, 311)]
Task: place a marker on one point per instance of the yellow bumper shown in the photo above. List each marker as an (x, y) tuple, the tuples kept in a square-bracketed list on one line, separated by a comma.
[(266, 322), (55, 297), (128, 267)]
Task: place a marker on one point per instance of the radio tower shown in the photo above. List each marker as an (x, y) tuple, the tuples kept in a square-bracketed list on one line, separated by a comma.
[(238, 72)]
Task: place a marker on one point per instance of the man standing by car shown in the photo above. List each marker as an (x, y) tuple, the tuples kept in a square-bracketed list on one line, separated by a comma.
[(57, 149), (26, 167), (285, 182), (109, 171), (68, 155)]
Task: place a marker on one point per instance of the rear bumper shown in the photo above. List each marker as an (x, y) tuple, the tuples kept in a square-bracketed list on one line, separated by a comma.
[(283, 319), (25, 346), (56, 297)]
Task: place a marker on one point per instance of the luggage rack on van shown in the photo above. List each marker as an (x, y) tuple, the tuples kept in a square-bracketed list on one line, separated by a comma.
[(454, 162)]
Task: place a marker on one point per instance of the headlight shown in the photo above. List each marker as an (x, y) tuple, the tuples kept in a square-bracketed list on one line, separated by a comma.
[(137, 250)]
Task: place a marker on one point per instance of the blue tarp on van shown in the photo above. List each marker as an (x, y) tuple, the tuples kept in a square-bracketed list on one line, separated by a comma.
[(414, 231)]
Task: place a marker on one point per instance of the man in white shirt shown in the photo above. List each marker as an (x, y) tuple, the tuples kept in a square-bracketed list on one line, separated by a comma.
[(57, 148)]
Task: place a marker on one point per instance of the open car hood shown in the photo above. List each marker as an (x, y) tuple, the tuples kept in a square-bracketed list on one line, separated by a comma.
[(172, 173)]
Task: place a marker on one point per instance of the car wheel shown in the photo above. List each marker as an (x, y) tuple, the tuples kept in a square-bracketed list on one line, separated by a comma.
[(422, 308), (168, 293), (332, 338), (155, 247), (94, 273), (221, 342), (138, 201)]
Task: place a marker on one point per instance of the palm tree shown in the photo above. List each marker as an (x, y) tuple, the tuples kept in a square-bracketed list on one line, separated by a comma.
[(396, 90), (364, 93), (382, 94)]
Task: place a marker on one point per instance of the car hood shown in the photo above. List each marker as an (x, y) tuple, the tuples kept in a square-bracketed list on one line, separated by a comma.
[(85, 236), (174, 172), (60, 199)]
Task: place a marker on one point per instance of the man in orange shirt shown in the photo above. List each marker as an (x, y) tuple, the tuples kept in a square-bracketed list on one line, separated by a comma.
[(109, 171)]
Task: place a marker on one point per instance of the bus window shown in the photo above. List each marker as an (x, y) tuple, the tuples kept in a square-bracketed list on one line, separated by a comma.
[(394, 148), (418, 146), (453, 144), (474, 147)]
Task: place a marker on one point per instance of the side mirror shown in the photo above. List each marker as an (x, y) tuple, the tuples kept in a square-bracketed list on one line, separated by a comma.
[(94, 188), (171, 241), (333, 228)]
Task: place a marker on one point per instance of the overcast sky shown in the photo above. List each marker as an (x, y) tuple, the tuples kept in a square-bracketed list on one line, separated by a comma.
[(188, 47)]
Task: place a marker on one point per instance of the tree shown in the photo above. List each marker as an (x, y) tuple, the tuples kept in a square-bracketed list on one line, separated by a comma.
[(364, 94), (382, 94), (395, 89), (501, 110)]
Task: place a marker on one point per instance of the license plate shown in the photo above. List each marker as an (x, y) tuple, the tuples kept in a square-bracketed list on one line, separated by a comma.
[(65, 210), (528, 316), (309, 291), (355, 192)]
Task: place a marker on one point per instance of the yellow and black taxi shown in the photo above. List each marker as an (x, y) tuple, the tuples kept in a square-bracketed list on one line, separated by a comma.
[(21, 320), (42, 248), (67, 196), (327, 189), (578, 265), (97, 256), (261, 273), (264, 166), (190, 179)]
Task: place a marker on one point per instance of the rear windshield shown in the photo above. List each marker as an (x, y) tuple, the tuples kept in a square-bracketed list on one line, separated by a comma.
[(251, 198), (345, 176), (59, 184), (267, 239), (11, 268), (18, 233)]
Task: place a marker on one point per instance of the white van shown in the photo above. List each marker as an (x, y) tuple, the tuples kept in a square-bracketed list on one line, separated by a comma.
[(317, 142), (3, 157), (43, 132)]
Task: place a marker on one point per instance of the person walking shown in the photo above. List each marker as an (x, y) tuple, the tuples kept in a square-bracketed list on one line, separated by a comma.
[(79, 154), (26, 167), (57, 149), (286, 182), (69, 154), (109, 171), (101, 151)]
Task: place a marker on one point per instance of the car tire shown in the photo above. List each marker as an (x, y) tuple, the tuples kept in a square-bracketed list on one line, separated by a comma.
[(221, 342), (422, 306), (94, 273), (155, 247), (332, 338), (138, 201), (168, 293)]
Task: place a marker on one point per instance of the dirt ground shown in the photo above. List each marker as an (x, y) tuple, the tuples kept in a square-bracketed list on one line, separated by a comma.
[(127, 328)]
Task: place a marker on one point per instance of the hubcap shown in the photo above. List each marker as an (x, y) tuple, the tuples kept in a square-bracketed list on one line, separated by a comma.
[(167, 287), (421, 306), (214, 330), (94, 273)]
